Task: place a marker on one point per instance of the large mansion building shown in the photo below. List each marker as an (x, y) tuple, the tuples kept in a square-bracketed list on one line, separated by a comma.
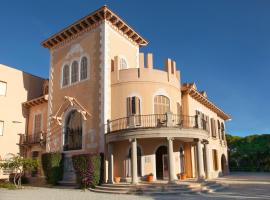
[(104, 96)]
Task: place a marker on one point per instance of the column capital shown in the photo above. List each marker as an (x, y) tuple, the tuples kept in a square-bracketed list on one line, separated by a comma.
[(132, 140), (205, 141), (170, 138)]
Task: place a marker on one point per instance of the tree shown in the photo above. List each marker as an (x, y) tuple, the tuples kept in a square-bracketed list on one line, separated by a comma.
[(19, 166)]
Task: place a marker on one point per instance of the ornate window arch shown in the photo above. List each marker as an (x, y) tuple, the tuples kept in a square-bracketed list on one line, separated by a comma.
[(74, 72), (84, 68), (65, 75)]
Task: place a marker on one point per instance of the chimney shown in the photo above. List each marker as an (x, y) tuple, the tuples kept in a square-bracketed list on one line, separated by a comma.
[(149, 62), (168, 67), (141, 60)]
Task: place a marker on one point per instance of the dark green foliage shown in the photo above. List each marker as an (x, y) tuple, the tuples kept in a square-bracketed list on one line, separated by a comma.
[(87, 168), (52, 167), (251, 153)]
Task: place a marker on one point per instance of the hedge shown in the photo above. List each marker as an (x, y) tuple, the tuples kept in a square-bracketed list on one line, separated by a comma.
[(52, 164), (87, 168)]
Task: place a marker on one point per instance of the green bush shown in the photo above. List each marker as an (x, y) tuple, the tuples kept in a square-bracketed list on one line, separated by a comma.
[(52, 166), (87, 168)]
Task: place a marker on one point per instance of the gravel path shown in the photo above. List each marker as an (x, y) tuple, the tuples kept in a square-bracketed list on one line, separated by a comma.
[(254, 186)]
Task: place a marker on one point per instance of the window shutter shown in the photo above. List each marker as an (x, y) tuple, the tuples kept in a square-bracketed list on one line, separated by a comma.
[(128, 106), (137, 106), (1, 127)]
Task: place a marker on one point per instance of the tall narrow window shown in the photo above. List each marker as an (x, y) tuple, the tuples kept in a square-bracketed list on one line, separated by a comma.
[(1, 128), (219, 130), (3, 88), (161, 104), (222, 131), (37, 127), (84, 68), (133, 106), (133, 111), (213, 128), (123, 63), (65, 76), (215, 159), (74, 72)]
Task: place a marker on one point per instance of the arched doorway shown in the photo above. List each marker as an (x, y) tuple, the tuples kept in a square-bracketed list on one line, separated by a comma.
[(224, 165), (182, 160), (73, 131), (161, 162), (139, 168)]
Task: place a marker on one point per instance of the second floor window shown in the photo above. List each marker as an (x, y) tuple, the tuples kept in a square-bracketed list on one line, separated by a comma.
[(213, 128), (65, 75), (123, 63), (222, 131), (37, 124), (133, 106), (83, 68), (74, 72), (161, 104), (3, 88), (1, 128)]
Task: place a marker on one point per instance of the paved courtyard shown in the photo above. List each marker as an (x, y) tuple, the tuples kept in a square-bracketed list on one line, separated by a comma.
[(240, 186)]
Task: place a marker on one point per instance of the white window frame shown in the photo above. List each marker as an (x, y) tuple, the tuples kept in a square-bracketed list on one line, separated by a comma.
[(120, 62), (78, 74)]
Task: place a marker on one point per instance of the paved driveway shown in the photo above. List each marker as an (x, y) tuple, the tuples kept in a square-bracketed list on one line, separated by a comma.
[(241, 186)]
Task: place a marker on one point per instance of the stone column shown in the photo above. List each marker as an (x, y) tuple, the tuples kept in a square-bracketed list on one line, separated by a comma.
[(134, 161), (171, 160), (200, 160), (207, 159), (110, 159)]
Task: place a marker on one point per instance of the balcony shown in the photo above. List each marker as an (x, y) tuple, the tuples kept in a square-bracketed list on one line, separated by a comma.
[(37, 138), (156, 121)]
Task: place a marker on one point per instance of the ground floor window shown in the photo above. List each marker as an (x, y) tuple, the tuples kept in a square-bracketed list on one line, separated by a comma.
[(215, 159)]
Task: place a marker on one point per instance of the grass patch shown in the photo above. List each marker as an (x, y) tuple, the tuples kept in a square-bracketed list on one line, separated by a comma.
[(7, 185)]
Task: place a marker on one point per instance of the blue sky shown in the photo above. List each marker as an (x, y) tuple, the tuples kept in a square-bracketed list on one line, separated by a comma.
[(224, 46)]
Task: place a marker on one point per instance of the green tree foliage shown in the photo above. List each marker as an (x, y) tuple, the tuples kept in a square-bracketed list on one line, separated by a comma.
[(19, 165), (250, 153)]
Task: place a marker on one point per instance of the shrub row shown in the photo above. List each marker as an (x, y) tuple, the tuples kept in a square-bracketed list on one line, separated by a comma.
[(52, 164), (87, 168)]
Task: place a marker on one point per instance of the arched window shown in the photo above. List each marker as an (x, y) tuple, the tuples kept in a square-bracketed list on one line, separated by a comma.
[(74, 72), (123, 63), (65, 75), (161, 104), (73, 131), (83, 68)]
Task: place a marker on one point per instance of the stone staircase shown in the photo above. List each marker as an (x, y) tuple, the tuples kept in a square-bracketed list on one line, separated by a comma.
[(159, 188)]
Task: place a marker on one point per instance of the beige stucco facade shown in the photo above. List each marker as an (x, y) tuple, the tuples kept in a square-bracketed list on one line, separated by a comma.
[(104, 96), (20, 87)]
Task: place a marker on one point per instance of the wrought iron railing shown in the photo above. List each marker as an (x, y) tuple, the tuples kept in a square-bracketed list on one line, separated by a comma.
[(39, 137), (156, 121)]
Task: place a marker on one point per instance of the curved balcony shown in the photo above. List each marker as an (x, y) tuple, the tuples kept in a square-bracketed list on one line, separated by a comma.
[(157, 125)]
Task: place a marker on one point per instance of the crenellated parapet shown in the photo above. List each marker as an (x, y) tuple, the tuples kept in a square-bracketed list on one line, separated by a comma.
[(145, 72)]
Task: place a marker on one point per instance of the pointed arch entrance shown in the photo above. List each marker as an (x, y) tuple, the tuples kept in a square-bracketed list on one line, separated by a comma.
[(162, 162)]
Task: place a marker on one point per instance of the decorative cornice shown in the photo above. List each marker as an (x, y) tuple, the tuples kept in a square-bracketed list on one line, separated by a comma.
[(36, 101), (192, 91), (90, 22)]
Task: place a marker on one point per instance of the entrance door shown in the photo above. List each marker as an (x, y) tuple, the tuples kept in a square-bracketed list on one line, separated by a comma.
[(161, 163)]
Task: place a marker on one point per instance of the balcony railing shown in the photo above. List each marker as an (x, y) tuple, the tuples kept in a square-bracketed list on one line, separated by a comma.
[(32, 139), (156, 121)]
